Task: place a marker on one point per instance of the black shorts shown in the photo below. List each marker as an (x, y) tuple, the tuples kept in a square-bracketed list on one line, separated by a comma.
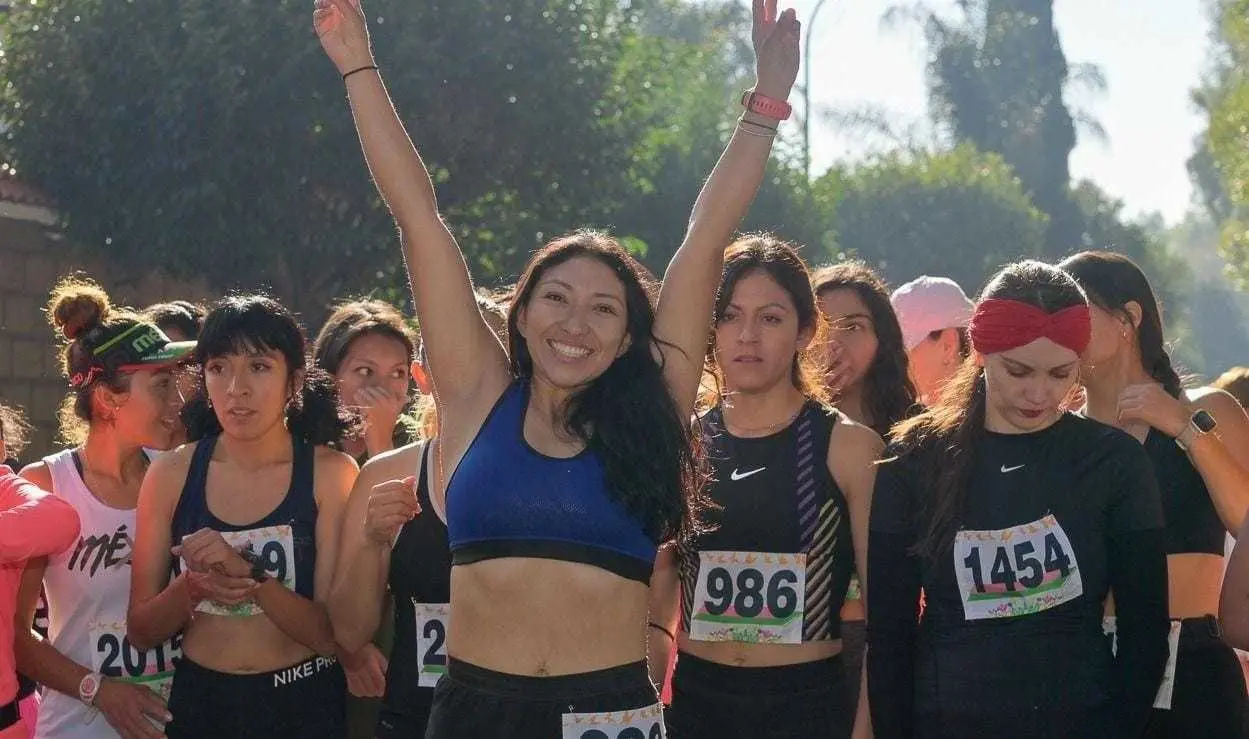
[(407, 721), (714, 701), (304, 701), (1208, 698), (471, 702)]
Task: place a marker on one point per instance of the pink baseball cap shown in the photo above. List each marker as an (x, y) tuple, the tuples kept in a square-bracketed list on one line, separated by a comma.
[(928, 304)]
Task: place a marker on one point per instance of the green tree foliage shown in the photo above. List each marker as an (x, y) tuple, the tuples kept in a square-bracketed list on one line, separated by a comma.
[(996, 78), (217, 141), (961, 214), (1228, 135)]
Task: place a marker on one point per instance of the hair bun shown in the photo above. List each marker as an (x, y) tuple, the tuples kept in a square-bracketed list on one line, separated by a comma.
[(77, 305)]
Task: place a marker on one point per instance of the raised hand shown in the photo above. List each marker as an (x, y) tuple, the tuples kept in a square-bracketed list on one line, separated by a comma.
[(206, 550), (1149, 403), (391, 505), (380, 410), (776, 40), (343, 32)]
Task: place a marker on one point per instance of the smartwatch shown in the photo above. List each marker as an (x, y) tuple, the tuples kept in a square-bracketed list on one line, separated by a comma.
[(89, 687), (258, 573), (766, 106), (1200, 424)]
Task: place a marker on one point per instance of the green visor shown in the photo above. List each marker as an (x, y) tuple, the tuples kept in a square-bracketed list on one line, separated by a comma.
[(142, 346)]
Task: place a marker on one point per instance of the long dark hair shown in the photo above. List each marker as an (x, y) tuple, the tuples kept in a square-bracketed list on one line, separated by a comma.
[(1112, 281), (626, 415), (780, 261), (242, 323), (943, 438), (889, 395)]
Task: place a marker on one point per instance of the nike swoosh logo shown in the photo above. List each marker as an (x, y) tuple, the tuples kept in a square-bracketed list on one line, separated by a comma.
[(1006, 469), (742, 476)]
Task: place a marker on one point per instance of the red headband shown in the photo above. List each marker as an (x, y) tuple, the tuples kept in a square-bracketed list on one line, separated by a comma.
[(1002, 325)]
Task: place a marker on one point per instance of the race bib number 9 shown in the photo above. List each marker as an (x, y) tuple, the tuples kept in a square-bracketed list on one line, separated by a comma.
[(113, 657), (749, 597), (431, 640), (275, 545), (643, 723), (1016, 571)]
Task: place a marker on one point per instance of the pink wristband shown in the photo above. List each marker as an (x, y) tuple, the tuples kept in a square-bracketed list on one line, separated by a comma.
[(766, 106)]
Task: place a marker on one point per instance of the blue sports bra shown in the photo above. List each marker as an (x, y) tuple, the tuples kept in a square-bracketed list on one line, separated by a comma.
[(507, 500)]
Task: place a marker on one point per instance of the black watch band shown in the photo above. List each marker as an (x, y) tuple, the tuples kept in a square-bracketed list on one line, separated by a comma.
[(258, 572)]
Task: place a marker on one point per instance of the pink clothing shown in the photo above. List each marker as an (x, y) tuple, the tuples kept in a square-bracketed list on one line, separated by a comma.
[(33, 523), (29, 709)]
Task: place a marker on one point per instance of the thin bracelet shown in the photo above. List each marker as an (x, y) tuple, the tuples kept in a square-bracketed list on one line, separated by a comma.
[(654, 625), (359, 69), (743, 122), (770, 135)]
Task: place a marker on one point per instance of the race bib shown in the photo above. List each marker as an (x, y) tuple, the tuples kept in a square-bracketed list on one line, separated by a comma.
[(275, 545), (1167, 689), (642, 723), (1016, 571), (431, 641), (749, 597), (113, 657)]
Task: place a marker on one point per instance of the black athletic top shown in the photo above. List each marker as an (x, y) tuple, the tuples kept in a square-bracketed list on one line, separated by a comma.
[(1193, 524), (286, 539), (1010, 640), (420, 579), (779, 519)]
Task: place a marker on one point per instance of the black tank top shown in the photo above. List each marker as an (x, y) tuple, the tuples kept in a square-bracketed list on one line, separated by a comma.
[(286, 539), (1193, 524), (775, 499), (420, 573)]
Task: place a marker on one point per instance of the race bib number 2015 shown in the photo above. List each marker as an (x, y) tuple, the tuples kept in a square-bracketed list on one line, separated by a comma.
[(1015, 571), (752, 597), (114, 657), (642, 723)]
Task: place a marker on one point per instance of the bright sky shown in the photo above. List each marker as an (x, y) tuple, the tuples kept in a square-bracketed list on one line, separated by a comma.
[(1151, 52)]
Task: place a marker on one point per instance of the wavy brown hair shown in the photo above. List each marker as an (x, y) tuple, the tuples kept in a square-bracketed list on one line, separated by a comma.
[(889, 395), (81, 311), (14, 431), (944, 437), (626, 415), (780, 261)]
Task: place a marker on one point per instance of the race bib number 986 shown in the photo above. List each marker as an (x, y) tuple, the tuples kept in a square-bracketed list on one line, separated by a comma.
[(1015, 571), (275, 546), (431, 641), (752, 597), (642, 723)]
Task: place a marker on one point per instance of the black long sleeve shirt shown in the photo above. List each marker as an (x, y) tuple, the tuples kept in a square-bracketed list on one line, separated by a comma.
[(1010, 640)]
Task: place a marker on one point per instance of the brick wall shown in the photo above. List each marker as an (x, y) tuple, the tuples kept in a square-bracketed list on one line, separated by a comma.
[(32, 257)]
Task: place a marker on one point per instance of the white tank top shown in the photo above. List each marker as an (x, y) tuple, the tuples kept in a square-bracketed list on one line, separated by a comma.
[(88, 591)]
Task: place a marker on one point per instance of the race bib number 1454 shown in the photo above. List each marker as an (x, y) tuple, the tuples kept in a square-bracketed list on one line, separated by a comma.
[(1015, 571)]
